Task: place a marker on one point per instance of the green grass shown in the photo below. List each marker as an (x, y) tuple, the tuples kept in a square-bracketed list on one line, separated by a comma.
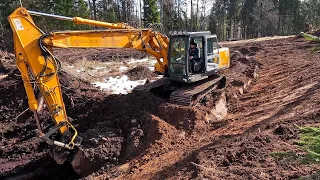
[(312, 38), (288, 156), (310, 141)]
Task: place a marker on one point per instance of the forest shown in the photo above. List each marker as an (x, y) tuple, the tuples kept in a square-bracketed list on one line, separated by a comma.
[(229, 19)]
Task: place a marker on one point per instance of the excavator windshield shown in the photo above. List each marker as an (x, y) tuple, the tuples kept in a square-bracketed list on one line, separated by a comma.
[(178, 54)]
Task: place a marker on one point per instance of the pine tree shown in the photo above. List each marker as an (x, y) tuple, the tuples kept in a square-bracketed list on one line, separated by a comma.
[(248, 24), (151, 14), (213, 21)]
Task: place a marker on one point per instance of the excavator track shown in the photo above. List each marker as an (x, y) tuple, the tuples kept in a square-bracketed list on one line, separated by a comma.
[(190, 94), (147, 87)]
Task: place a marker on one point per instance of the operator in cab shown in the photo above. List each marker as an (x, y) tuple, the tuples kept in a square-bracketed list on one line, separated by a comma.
[(193, 54), (194, 50)]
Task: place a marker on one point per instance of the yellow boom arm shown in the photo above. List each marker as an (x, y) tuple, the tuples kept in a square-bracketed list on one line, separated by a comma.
[(38, 66), (144, 40)]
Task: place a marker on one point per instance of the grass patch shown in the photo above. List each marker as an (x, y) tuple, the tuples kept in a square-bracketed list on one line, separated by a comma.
[(286, 156), (312, 38), (310, 141)]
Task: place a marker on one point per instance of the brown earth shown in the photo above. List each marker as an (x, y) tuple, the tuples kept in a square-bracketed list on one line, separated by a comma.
[(139, 72), (98, 54), (141, 136), (316, 33)]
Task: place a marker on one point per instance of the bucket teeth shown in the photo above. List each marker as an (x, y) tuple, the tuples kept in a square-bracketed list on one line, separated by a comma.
[(81, 164)]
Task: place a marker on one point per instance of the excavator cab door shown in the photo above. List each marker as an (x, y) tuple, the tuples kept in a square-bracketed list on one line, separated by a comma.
[(178, 51), (212, 55)]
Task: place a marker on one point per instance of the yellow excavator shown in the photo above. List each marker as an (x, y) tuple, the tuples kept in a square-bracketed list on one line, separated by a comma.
[(187, 79)]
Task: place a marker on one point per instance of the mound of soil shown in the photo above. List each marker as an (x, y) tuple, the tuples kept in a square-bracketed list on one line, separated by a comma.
[(242, 73), (139, 73), (250, 51), (17, 128), (98, 54), (316, 33)]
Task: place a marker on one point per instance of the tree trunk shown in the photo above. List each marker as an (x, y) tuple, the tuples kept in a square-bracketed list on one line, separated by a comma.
[(91, 10), (94, 9), (140, 20), (223, 17), (192, 23), (124, 18), (197, 15)]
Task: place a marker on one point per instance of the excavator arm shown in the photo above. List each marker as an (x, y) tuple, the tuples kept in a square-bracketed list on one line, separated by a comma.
[(39, 68), (153, 43)]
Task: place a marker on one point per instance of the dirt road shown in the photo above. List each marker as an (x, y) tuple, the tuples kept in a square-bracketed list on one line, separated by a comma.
[(147, 138)]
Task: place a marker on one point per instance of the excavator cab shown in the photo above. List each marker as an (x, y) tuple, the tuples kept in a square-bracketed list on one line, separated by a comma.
[(210, 58)]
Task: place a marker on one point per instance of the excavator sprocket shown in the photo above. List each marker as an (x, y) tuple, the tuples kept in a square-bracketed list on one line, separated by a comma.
[(192, 93)]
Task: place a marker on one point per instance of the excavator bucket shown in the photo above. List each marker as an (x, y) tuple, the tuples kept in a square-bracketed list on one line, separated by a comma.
[(81, 164)]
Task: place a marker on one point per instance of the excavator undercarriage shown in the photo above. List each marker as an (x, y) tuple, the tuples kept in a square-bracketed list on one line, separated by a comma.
[(184, 94)]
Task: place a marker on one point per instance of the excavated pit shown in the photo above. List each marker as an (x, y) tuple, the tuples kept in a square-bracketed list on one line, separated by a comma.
[(115, 128), (128, 134)]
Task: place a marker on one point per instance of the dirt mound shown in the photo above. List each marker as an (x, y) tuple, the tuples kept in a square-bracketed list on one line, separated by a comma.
[(250, 51), (286, 131), (121, 127), (139, 73), (245, 157), (316, 33), (243, 72), (7, 62), (17, 143), (98, 54)]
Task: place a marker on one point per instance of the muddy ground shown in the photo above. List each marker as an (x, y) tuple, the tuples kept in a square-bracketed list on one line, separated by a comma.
[(141, 136)]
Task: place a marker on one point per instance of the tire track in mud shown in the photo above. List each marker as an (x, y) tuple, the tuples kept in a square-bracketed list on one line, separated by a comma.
[(285, 93), (293, 97), (274, 84)]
